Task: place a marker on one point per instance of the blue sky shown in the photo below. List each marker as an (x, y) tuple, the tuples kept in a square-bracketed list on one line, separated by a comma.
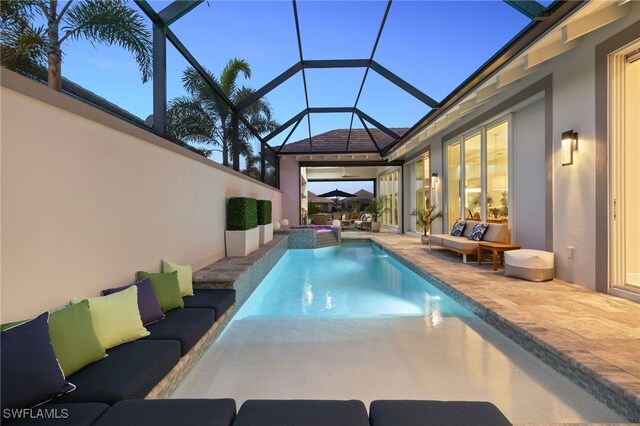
[(434, 45)]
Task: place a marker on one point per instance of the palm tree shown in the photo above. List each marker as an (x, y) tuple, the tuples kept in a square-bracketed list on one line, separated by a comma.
[(426, 215), (202, 117), (27, 48)]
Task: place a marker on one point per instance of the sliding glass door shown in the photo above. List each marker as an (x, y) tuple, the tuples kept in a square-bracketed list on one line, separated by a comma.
[(422, 187), (389, 188)]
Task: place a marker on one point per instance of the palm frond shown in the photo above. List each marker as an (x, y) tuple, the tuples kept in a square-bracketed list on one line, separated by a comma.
[(111, 22), (230, 73), (23, 46), (188, 121), (26, 52)]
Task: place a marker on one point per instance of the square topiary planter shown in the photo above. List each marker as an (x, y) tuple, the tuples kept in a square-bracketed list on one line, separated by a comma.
[(265, 224), (242, 236), (242, 243)]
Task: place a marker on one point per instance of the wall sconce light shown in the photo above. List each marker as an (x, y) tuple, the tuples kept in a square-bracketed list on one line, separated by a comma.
[(434, 180), (569, 144)]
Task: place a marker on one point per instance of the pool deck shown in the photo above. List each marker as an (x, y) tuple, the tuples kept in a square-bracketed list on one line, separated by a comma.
[(596, 334)]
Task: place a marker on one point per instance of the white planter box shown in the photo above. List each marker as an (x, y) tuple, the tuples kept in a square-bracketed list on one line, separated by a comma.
[(375, 226), (242, 243), (266, 233)]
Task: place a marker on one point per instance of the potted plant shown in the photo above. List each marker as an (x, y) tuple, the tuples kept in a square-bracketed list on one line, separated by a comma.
[(377, 206), (425, 217), (242, 235), (265, 225)]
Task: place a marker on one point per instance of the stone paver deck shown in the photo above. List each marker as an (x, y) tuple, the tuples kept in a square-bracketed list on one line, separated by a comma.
[(591, 337)]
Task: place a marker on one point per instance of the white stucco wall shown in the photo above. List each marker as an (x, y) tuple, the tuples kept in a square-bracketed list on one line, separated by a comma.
[(290, 186), (528, 194), (85, 206)]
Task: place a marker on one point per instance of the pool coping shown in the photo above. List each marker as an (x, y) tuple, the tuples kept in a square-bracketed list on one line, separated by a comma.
[(527, 334)]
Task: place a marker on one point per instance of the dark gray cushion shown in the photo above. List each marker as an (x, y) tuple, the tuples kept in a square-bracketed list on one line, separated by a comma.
[(184, 325), (129, 371), (218, 299), (61, 414), (440, 413), (302, 412), (153, 412)]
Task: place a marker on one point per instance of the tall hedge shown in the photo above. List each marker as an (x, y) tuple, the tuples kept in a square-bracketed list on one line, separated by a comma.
[(242, 213), (264, 212)]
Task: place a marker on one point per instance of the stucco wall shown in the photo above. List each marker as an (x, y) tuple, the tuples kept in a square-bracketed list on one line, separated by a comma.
[(84, 206), (528, 192), (290, 186), (574, 108)]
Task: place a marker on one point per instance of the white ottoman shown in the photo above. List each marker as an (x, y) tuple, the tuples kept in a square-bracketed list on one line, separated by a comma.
[(532, 265)]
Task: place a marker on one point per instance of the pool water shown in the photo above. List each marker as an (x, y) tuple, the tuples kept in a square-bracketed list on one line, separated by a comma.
[(350, 280), (351, 322)]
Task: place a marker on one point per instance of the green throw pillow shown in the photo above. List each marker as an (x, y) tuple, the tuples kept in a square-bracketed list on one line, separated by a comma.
[(73, 338), (185, 280), (116, 317), (166, 289)]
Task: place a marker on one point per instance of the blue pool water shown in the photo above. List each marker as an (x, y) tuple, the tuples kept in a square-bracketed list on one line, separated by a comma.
[(350, 280)]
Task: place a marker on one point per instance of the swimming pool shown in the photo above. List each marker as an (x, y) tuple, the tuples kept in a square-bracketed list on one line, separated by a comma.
[(350, 280), (351, 322)]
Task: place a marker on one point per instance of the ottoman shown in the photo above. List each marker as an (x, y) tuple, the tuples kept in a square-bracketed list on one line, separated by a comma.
[(532, 265)]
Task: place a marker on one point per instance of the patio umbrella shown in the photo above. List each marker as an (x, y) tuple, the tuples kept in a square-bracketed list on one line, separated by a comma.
[(336, 194)]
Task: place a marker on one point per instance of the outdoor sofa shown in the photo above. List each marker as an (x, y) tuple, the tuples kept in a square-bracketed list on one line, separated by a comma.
[(496, 232), (364, 222), (144, 368)]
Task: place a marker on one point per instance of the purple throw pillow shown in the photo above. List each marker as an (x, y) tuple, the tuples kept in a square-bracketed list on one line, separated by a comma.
[(148, 305)]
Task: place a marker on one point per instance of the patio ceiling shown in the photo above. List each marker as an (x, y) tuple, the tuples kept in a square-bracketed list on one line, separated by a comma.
[(369, 58)]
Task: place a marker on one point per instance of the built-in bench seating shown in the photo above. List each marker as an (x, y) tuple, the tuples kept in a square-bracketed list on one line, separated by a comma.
[(496, 232), (146, 367), (222, 412)]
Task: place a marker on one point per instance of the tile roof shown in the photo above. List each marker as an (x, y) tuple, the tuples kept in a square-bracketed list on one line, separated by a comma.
[(314, 199), (363, 194), (336, 141)]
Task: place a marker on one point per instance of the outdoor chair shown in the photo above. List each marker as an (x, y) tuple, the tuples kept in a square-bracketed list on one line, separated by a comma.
[(319, 219)]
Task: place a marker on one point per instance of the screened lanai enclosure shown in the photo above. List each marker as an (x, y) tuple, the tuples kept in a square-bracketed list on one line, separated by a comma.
[(245, 83)]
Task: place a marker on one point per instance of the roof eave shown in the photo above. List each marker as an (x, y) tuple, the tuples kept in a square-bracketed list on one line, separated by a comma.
[(557, 12)]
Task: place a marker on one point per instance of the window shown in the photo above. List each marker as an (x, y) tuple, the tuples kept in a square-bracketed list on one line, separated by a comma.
[(472, 177), (497, 173), (453, 183), (480, 189)]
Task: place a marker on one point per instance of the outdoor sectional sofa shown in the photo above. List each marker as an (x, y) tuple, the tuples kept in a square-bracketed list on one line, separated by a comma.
[(496, 232), (222, 412), (146, 367)]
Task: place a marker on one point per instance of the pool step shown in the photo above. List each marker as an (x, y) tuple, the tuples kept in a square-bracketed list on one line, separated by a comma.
[(326, 239)]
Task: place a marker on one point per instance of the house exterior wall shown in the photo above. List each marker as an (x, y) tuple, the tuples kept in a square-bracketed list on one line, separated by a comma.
[(571, 191), (290, 186), (85, 206), (529, 221)]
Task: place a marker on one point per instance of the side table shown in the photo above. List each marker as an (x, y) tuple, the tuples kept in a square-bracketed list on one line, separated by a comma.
[(497, 249)]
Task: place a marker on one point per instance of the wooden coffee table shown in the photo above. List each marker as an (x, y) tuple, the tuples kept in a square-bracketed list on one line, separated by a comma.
[(497, 249)]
